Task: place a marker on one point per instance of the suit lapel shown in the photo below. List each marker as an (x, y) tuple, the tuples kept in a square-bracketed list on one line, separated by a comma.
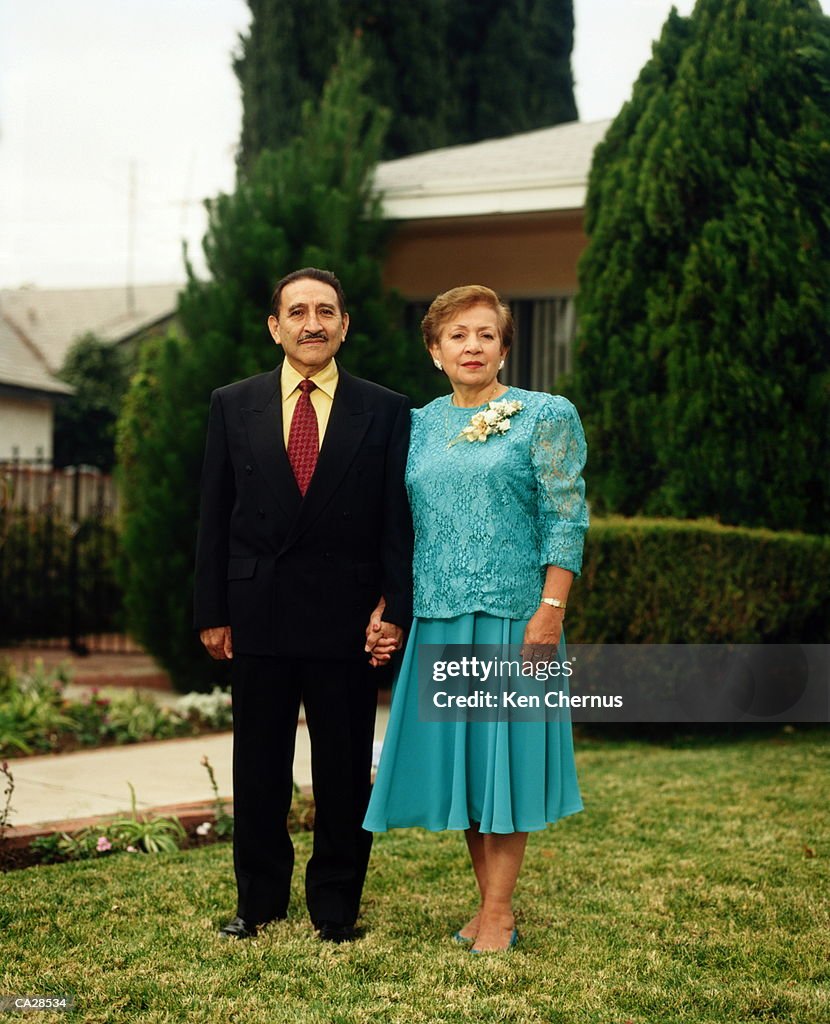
[(347, 426), (264, 425)]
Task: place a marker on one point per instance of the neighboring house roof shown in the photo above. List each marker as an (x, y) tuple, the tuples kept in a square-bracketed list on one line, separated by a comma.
[(546, 169), (51, 319), (21, 367)]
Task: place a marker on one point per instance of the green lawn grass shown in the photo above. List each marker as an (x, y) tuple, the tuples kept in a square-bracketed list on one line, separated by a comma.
[(694, 888)]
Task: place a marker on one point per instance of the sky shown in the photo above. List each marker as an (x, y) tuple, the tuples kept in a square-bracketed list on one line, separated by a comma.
[(117, 120)]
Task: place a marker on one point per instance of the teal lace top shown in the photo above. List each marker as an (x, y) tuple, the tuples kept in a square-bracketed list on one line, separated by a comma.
[(490, 516)]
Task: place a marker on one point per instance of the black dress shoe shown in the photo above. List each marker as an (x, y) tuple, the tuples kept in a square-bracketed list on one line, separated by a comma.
[(237, 929), (338, 932)]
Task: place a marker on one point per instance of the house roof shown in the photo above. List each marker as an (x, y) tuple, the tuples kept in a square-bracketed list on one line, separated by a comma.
[(51, 319), (21, 367), (542, 170)]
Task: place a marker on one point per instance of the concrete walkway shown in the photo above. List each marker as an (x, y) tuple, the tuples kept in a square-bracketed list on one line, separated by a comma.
[(67, 788)]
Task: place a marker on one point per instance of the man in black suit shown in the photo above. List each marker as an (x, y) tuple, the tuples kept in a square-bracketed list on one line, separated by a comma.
[(304, 536)]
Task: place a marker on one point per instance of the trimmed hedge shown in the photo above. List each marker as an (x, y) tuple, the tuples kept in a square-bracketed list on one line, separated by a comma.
[(695, 581)]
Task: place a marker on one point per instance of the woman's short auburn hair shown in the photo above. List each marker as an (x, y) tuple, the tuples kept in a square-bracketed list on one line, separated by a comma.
[(447, 304)]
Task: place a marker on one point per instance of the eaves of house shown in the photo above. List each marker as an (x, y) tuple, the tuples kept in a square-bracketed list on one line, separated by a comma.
[(540, 171)]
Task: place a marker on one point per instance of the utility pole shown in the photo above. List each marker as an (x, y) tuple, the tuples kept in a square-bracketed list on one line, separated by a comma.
[(131, 233)]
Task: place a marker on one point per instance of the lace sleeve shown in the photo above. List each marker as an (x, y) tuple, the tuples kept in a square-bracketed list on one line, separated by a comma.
[(558, 453)]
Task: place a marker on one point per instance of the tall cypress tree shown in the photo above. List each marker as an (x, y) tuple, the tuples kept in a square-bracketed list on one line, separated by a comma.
[(510, 67), (282, 64), (306, 204), (451, 71), (702, 368)]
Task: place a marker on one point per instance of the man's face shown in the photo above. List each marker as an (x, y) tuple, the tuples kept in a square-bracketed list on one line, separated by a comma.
[(310, 327)]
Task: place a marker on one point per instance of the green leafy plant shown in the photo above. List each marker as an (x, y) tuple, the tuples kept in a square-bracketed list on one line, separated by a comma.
[(223, 824), (125, 834), (71, 846), (135, 716), (51, 848), (89, 718), (6, 806), (32, 710), (153, 835)]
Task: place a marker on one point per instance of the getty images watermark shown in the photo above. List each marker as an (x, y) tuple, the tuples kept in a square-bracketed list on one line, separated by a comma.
[(625, 683)]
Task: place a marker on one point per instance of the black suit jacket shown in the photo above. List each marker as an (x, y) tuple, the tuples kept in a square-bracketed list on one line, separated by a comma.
[(300, 576)]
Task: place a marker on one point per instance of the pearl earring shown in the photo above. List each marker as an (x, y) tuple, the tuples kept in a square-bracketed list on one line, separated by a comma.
[(501, 365), (438, 364)]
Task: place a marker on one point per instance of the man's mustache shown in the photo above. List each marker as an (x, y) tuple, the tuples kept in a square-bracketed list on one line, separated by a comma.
[(319, 336)]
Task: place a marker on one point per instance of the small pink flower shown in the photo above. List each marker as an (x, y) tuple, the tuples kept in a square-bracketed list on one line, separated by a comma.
[(103, 844), (131, 849)]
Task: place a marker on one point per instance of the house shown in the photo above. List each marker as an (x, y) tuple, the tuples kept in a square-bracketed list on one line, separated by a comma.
[(37, 329), (28, 392), (52, 319), (507, 213)]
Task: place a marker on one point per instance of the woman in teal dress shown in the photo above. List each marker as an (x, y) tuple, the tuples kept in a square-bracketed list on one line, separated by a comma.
[(498, 507)]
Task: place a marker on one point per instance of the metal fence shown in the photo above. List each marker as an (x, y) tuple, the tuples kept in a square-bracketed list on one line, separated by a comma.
[(58, 551)]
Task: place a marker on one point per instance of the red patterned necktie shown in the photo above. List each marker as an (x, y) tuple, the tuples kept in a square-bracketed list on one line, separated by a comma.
[(303, 437)]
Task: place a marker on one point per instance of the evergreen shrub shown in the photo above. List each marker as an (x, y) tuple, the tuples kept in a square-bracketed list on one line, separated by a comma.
[(701, 367), (662, 581)]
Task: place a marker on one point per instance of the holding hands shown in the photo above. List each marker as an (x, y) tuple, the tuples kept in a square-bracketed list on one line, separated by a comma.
[(382, 638)]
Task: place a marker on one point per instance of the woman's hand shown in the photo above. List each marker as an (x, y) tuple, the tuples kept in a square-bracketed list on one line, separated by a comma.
[(543, 630)]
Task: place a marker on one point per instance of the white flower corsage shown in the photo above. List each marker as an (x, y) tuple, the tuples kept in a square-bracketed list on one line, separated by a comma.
[(495, 419)]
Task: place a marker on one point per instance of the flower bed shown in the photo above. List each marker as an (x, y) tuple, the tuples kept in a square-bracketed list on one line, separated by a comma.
[(131, 834), (37, 717)]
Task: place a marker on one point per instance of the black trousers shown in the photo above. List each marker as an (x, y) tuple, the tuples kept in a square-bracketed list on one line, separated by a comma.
[(340, 699)]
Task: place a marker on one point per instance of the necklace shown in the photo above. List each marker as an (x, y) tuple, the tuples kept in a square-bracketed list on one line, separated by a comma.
[(496, 387), (451, 402)]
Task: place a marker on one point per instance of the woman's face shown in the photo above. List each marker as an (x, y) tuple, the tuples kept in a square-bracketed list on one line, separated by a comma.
[(469, 346)]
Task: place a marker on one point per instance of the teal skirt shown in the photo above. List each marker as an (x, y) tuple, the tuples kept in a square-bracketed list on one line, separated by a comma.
[(507, 776)]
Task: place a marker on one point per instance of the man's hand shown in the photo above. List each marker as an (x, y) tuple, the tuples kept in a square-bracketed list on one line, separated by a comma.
[(382, 638), (217, 641)]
